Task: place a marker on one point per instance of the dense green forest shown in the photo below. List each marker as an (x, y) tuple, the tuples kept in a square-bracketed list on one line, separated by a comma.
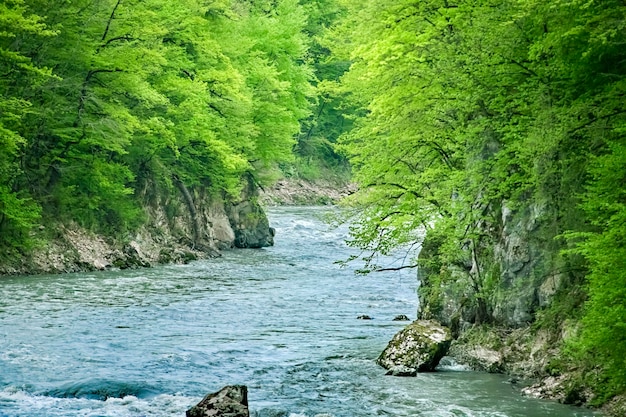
[(101, 97), (452, 115), (471, 110)]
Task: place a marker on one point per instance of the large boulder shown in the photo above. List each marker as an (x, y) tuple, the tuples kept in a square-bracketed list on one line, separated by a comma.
[(230, 401), (250, 224), (248, 219), (417, 348)]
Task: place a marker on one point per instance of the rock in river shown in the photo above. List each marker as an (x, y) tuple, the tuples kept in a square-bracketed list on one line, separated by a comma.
[(417, 348), (230, 401)]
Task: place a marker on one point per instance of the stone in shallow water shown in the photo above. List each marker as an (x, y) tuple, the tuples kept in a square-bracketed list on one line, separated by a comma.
[(417, 348), (230, 401), (401, 317)]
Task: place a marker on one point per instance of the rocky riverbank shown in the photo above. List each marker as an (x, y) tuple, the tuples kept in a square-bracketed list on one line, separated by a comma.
[(511, 299), (178, 228), (533, 359), (297, 192), (530, 357)]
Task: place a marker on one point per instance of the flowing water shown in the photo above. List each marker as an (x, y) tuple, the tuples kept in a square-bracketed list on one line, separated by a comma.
[(281, 320)]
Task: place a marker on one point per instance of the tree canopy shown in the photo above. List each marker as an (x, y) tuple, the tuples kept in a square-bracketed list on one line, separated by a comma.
[(99, 98)]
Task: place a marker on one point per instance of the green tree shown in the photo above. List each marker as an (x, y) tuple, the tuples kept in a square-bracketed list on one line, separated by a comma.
[(585, 44), (602, 340), (316, 148), (273, 61), (429, 151), (18, 211)]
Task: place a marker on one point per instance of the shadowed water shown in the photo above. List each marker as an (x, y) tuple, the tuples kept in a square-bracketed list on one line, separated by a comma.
[(280, 320)]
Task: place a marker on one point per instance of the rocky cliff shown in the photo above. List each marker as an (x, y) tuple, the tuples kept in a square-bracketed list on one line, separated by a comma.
[(299, 192), (180, 225), (522, 269), (505, 302)]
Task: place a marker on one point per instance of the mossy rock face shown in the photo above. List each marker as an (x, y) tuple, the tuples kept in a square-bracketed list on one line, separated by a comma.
[(250, 225), (418, 347)]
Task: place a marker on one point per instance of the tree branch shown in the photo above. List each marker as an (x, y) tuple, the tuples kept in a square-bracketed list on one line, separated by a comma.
[(91, 73), (218, 111), (606, 116), (83, 90), (126, 37), (399, 268), (188, 74), (106, 30), (525, 68)]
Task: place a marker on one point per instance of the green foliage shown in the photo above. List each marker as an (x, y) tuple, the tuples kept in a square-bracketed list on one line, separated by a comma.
[(96, 195), (271, 60), (428, 151), (18, 211), (316, 144), (602, 339), (18, 215), (467, 109), (102, 98)]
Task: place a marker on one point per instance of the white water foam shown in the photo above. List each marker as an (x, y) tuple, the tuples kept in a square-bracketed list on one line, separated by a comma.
[(316, 415), (449, 364), (16, 402)]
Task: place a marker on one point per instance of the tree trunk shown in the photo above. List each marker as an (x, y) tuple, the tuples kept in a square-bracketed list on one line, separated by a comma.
[(195, 222)]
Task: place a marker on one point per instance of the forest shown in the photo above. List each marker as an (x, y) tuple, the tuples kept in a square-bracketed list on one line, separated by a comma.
[(452, 115), (99, 98)]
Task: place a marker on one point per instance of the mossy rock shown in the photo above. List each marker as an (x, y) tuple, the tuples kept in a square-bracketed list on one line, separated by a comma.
[(418, 347)]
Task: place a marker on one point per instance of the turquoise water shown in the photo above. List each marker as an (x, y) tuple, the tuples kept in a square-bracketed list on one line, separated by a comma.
[(280, 320)]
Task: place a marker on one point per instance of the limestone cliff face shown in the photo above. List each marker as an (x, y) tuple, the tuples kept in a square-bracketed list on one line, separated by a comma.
[(526, 269), (532, 269), (180, 225), (524, 272)]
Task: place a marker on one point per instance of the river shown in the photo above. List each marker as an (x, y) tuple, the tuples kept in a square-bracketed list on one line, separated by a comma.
[(281, 320)]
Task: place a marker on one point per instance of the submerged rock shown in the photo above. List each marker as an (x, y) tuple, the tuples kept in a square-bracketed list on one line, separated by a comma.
[(401, 317), (364, 317), (230, 401), (417, 348)]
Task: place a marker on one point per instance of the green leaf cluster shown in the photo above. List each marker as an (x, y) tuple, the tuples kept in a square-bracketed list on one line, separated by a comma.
[(315, 150), (18, 211)]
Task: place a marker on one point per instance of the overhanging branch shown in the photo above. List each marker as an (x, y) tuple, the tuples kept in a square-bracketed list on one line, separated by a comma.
[(399, 268)]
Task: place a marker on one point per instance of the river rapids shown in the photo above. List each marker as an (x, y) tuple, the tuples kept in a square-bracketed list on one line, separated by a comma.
[(281, 320)]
